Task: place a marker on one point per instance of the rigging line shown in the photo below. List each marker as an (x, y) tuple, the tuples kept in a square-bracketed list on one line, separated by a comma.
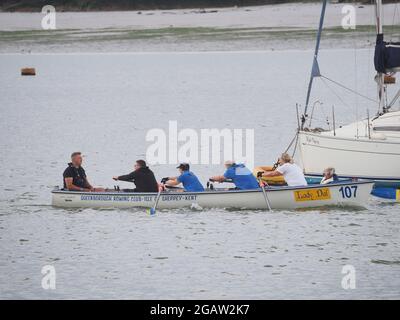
[(351, 90), (295, 146), (333, 91), (320, 120), (355, 76), (370, 35), (290, 144), (394, 18)]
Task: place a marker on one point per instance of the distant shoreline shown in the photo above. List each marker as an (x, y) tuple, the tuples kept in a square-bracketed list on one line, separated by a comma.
[(123, 5), (271, 27)]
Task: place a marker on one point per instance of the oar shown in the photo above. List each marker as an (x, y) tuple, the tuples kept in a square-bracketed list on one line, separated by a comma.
[(264, 193), (226, 180), (153, 210)]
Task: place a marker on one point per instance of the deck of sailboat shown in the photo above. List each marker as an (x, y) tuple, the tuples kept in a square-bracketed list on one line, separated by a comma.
[(383, 128)]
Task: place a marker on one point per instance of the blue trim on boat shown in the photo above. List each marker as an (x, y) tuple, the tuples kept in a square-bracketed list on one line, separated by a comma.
[(216, 191), (379, 181), (385, 193)]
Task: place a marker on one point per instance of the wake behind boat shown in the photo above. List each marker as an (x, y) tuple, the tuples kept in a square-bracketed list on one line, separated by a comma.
[(344, 193)]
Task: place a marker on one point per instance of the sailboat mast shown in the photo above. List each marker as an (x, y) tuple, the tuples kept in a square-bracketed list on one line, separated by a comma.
[(380, 75), (315, 67)]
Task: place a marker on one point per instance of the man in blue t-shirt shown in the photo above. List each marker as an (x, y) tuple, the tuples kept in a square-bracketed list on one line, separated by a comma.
[(188, 179), (240, 176)]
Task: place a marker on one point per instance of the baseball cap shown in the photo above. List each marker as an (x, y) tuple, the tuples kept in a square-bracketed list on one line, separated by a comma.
[(183, 166)]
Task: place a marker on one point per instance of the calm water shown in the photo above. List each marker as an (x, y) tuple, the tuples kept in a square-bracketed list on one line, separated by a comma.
[(104, 105)]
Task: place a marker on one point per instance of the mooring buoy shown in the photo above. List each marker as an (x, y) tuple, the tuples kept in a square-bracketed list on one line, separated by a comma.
[(28, 72)]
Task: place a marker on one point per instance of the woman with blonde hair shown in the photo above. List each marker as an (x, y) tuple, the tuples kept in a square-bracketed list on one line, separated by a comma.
[(290, 171)]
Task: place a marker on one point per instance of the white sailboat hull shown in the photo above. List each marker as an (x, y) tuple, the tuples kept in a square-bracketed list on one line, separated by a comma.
[(378, 160), (342, 194)]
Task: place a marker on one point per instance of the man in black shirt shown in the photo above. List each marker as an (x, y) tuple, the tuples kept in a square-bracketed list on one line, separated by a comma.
[(142, 177), (75, 178)]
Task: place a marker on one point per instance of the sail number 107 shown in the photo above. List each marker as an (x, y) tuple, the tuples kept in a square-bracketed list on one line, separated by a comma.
[(348, 192)]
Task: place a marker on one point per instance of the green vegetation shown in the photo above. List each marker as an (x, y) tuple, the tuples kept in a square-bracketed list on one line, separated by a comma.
[(186, 34)]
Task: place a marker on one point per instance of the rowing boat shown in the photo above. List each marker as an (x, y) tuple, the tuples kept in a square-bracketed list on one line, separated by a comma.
[(344, 193)]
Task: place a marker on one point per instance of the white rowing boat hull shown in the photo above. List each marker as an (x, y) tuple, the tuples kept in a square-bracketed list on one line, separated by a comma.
[(341, 194)]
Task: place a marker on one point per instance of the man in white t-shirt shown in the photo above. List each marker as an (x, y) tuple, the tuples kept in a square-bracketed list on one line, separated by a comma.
[(290, 171)]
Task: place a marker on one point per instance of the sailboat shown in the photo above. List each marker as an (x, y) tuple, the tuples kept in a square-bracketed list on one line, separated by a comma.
[(368, 148)]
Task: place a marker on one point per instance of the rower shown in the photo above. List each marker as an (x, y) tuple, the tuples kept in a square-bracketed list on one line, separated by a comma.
[(290, 171), (188, 179), (239, 174), (329, 176), (142, 177), (75, 178)]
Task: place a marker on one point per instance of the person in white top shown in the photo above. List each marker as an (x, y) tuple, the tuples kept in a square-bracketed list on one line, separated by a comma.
[(290, 171), (329, 176)]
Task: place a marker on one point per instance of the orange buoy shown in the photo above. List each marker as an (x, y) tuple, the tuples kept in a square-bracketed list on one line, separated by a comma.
[(28, 72)]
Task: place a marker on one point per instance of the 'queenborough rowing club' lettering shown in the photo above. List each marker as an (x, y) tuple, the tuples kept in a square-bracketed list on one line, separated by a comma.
[(126, 198)]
